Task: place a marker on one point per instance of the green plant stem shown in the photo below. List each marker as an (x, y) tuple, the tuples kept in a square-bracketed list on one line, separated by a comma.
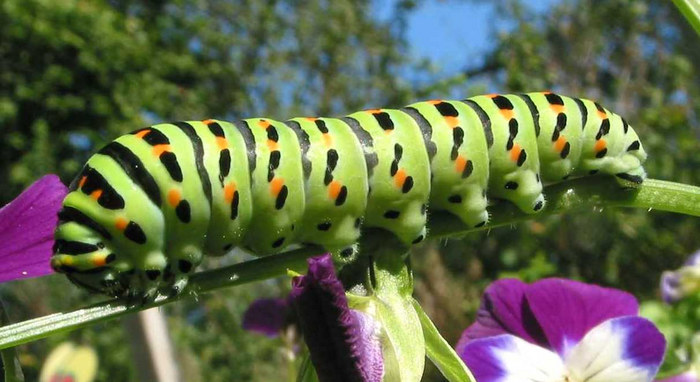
[(243, 273), (691, 10), (585, 193)]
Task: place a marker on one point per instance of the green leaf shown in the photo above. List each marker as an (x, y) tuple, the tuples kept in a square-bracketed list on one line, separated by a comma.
[(404, 354), (403, 347), (307, 372), (10, 364), (440, 352), (691, 10)]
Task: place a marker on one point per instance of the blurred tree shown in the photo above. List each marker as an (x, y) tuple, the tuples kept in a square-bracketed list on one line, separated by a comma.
[(75, 74)]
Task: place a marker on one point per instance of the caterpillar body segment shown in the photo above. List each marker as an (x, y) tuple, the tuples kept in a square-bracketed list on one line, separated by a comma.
[(147, 207), (337, 183), (399, 177), (458, 148)]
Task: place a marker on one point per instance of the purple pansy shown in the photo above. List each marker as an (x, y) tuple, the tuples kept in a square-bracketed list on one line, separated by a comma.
[(343, 343), (26, 229), (267, 316), (560, 330), (682, 282)]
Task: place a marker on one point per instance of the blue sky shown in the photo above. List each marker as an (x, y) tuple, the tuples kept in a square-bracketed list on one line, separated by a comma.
[(455, 33)]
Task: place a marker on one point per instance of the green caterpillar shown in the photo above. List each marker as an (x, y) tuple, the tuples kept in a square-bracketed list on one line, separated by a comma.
[(149, 205)]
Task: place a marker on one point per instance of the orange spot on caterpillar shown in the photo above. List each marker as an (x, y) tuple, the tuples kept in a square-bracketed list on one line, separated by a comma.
[(492, 95), (82, 181), (142, 133), (99, 261), (400, 178), (264, 123), (66, 261), (515, 152), (460, 164), (434, 101), (174, 197), (558, 108), (559, 144), (602, 114), (599, 145), (222, 143), (272, 145), (208, 121), (507, 114), (334, 189), (452, 121), (121, 224), (229, 190), (546, 92), (96, 194), (311, 119), (276, 186), (158, 150), (374, 111), (327, 139)]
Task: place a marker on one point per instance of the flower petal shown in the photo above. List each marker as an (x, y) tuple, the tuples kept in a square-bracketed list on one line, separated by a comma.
[(624, 349), (670, 287), (675, 285), (507, 358), (344, 344), (693, 259), (266, 316), (566, 309), (26, 229), (688, 376), (504, 310)]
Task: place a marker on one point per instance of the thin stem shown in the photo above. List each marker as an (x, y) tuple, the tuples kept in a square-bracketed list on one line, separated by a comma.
[(583, 193), (242, 273), (571, 195), (691, 10)]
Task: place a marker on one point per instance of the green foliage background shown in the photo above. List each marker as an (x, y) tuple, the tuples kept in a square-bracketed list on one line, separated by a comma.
[(74, 74)]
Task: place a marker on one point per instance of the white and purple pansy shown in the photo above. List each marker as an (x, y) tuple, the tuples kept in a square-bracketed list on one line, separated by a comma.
[(26, 229), (557, 330), (685, 281), (344, 343)]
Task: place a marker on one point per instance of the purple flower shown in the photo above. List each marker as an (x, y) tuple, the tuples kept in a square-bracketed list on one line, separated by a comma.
[(26, 229), (560, 330), (685, 281), (343, 343), (267, 316)]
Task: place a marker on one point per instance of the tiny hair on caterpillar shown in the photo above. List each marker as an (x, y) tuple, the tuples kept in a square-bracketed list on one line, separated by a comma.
[(148, 206)]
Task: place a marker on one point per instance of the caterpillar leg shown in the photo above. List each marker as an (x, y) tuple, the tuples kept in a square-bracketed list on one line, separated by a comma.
[(522, 188), (469, 204)]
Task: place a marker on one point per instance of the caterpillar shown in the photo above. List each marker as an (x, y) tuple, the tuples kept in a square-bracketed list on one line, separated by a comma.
[(145, 209)]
